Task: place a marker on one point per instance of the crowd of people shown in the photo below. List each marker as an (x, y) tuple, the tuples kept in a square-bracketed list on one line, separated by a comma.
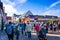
[(26, 29)]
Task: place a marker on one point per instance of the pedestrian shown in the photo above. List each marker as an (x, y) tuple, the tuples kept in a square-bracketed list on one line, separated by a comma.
[(42, 26), (17, 31), (47, 26), (51, 26), (9, 30), (42, 33), (34, 27), (59, 26), (23, 26), (37, 28), (55, 26), (20, 25), (28, 29)]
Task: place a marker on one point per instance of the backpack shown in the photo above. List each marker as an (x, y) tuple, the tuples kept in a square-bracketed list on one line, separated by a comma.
[(42, 33), (9, 29)]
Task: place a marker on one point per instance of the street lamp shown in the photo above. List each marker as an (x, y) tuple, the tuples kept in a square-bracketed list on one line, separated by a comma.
[(2, 23), (1, 13)]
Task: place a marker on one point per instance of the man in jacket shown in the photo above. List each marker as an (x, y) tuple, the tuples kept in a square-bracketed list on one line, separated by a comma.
[(28, 29), (9, 30)]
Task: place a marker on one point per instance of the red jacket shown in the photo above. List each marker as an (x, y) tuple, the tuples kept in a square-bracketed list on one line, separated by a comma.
[(37, 27)]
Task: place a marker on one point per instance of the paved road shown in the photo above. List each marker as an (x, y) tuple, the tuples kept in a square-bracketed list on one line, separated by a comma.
[(3, 36), (53, 38)]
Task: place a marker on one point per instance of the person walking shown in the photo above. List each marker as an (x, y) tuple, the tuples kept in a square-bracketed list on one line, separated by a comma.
[(42, 33), (59, 26), (17, 31), (9, 30), (28, 29), (51, 26), (47, 26), (55, 26), (37, 28), (23, 27)]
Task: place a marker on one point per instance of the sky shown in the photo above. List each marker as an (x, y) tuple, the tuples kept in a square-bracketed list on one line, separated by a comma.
[(37, 7)]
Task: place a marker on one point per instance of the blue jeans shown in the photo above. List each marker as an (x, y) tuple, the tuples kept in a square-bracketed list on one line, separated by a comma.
[(17, 35), (23, 31), (29, 34)]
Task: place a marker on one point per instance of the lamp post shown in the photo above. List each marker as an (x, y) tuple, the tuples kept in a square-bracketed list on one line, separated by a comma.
[(1, 13), (2, 23)]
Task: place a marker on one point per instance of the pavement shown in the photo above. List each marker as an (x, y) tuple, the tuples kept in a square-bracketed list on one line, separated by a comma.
[(54, 32), (3, 36)]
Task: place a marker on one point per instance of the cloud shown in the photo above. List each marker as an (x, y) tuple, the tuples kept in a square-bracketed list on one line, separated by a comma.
[(14, 1), (22, 1), (52, 12), (53, 4), (9, 6), (8, 2), (9, 9), (49, 12)]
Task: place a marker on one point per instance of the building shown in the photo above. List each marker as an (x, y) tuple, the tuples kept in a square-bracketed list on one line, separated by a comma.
[(46, 18), (28, 16), (9, 18), (27, 13), (2, 16), (15, 18), (41, 18)]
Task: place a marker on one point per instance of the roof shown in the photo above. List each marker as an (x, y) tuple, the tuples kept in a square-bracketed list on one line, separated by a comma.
[(15, 15), (31, 16), (47, 16), (28, 13)]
